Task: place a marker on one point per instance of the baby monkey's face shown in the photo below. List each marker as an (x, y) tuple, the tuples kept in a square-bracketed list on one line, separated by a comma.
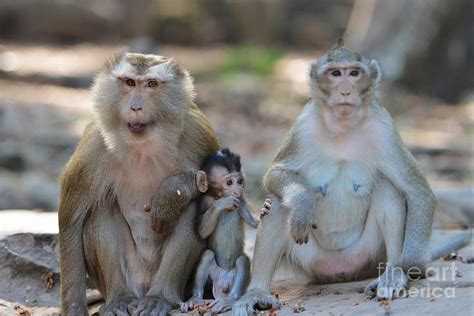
[(222, 182)]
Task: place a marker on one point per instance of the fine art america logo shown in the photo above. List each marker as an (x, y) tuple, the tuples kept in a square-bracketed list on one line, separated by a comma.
[(433, 286)]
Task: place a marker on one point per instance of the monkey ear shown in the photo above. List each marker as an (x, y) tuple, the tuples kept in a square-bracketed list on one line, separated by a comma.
[(313, 70), (201, 181), (375, 71)]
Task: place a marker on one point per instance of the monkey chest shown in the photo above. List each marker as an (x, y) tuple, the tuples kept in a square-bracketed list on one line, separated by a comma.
[(343, 192), (341, 179)]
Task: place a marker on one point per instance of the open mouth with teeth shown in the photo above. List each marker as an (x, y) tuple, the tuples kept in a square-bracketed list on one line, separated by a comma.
[(136, 127)]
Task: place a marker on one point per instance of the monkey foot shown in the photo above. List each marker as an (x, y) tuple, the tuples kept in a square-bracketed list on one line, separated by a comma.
[(190, 304), (150, 305), (254, 299), (116, 307), (221, 305), (390, 285)]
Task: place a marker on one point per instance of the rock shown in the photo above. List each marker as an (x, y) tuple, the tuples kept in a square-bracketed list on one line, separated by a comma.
[(27, 262)]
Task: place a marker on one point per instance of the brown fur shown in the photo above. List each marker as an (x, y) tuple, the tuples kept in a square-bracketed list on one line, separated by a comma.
[(111, 166)]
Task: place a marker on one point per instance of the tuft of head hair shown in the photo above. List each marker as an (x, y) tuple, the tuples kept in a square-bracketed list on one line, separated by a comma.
[(340, 52), (224, 158)]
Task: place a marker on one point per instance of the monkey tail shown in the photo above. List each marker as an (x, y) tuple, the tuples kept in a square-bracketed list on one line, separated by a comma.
[(452, 241)]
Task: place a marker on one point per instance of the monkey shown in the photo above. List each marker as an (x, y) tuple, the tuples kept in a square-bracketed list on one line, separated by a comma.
[(144, 145), (344, 163), (224, 210)]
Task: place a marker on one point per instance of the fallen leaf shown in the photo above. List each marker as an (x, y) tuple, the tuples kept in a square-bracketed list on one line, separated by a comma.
[(451, 256), (48, 280), (298, 307), (22, 310)]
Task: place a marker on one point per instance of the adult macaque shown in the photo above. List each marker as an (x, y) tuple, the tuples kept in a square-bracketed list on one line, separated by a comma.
[(147, 128), (223, 210), (344, 164)]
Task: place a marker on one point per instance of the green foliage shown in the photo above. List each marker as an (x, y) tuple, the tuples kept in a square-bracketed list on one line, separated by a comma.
[(251, 59)]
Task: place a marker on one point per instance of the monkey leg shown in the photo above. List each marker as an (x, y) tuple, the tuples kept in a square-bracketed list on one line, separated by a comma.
[(390, 208), (273, 230), (180, 254), (104, 250), (241, 277), (202, 276)]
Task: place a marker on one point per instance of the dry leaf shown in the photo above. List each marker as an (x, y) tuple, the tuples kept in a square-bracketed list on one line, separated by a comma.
[(298, 307), (48, 280), (23, 311)]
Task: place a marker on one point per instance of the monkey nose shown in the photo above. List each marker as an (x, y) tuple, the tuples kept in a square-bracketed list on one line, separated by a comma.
[(345, 94), (136, 108)]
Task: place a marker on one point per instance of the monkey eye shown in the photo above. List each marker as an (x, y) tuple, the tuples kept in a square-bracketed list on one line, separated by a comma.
[(152, 83), (229, 182), (336, 73), (240, 181), (354, 73), (130, 82)]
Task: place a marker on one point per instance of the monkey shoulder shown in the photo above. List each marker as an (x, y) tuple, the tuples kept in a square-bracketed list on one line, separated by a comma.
[(199, 139), (77, 179)]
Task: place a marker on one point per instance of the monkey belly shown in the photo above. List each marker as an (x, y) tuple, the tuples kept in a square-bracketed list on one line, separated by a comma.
[(343, 192), (355, 262), (340, 220)]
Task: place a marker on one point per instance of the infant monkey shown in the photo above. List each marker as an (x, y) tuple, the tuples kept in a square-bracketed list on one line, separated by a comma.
[(222, 210)]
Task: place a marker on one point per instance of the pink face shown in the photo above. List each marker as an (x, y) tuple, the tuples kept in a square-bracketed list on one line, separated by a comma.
[(142, 97), (222, 181), (139, 96), (344, 85)]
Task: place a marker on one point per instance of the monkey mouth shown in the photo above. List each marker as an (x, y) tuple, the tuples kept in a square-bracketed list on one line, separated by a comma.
[(345, 104), (136, 127)]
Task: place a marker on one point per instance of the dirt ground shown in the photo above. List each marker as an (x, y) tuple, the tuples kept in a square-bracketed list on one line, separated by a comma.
[(30, 279)]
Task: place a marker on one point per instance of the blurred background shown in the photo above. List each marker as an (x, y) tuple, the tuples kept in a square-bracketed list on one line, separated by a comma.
[(250, 62)]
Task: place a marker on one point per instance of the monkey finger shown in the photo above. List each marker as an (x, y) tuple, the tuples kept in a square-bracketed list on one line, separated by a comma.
[(267, 204)]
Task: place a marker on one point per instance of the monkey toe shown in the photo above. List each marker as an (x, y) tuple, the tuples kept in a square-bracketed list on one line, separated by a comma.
[(371, 289), (145, 306), (391, 289), (221, 305), (190, 304), (254, 298)]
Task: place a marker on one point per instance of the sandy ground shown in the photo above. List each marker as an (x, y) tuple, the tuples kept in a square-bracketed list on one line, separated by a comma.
[(450, 290)]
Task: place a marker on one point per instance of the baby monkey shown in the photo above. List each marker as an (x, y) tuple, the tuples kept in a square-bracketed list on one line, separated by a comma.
[(223, 210)]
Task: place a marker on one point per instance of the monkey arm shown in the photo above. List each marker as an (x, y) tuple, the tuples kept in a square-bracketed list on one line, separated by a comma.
[(246, 214), (73, 208), (295, 193), (174, 194), (401, 168), (208, 220)]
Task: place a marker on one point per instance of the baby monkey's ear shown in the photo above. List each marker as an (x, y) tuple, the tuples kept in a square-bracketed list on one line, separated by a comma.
[(201, 181)]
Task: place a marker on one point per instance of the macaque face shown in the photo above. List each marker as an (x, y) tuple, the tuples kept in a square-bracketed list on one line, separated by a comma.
[(144, 95), (344, 85), (222, 182)]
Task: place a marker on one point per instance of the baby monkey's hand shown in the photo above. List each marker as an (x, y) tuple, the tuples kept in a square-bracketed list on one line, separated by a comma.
[(228, 202)]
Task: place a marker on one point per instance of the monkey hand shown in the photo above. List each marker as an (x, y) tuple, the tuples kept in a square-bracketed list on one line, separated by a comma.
[(391, 284), (228, 202), (165, 208), (254, 298), (267, 206), (150, 305), (190, 304), (303, 205)]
